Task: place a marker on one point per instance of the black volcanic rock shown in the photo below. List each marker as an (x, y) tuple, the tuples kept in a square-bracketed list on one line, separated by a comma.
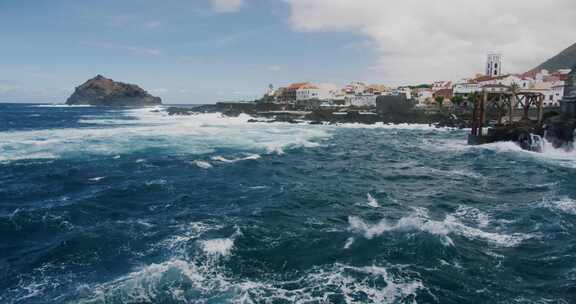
[(101, 91)]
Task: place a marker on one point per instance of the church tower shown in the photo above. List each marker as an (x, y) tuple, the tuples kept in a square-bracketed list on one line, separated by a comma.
[(494, 65)]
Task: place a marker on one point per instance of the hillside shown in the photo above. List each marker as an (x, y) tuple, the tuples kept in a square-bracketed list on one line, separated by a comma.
[(565, 60)]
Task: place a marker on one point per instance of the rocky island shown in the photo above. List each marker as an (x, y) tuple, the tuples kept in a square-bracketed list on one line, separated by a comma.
[(102, 91)]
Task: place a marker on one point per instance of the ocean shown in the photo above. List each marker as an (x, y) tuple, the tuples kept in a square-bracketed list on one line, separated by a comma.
[(102, 205)]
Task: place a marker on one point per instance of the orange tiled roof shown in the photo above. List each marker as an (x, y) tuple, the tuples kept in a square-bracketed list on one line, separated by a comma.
[(298, 85)]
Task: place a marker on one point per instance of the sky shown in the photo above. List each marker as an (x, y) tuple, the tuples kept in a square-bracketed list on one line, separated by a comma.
[(204, 51)]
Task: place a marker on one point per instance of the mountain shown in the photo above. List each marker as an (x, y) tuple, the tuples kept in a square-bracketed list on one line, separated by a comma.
[(101, 91), (565, 60)]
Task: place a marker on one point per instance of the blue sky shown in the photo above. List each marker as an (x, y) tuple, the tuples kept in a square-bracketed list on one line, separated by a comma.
[(182, 50), (203, 51)]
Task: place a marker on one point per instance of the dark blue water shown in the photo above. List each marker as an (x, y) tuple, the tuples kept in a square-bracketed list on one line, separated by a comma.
[(132, 206)]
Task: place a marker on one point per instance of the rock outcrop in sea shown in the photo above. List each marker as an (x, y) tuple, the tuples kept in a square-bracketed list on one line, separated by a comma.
[(101, 91)]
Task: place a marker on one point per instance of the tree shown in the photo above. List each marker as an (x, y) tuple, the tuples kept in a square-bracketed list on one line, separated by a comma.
[(439, 100), (457, 100)]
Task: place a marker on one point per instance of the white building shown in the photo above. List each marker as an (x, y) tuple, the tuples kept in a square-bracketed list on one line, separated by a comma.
[(557, 89), (494, 65), (441, 85), (424, 96), (356, 87), (557, 92), (407, 91), (307, 92), (327, 91), (465, 88)]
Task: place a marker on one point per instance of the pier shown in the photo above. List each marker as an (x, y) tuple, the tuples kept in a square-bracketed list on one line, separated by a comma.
[(503, 102)]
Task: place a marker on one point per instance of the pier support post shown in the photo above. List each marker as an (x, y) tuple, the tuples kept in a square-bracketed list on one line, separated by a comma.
[(483, 103), (540, 108), (511, 106)]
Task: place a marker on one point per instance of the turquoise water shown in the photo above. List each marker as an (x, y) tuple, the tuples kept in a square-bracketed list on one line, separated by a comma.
[(133, 206)]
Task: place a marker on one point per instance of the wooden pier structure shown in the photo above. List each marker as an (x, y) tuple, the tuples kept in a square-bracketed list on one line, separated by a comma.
[(503, 100)]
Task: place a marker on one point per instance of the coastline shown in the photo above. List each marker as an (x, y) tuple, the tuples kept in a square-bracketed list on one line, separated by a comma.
[(271, 113)]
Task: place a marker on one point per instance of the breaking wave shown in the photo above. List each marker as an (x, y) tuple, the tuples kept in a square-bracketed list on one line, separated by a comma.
[(150, 128), (420, 221), (185, 282)]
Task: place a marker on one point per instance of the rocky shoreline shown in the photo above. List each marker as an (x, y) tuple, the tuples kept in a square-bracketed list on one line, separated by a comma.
[(529, 135), (268, 114)]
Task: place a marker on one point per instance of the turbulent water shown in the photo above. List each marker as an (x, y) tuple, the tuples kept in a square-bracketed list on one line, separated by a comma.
[(134, 206)]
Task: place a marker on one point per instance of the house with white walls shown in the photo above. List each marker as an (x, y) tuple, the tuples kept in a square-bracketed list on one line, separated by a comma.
[(307, 91)]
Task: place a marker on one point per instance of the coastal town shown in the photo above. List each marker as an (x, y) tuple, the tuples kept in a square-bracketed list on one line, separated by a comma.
[(438, 95)]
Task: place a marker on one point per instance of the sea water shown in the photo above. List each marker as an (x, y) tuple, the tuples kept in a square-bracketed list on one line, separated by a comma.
[(134, 206)]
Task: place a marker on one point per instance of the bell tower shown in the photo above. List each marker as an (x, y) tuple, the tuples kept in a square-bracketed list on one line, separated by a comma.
[(494, 65)]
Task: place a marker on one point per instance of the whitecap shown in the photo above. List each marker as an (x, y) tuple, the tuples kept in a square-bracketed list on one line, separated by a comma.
[(202, 164), (390, 126), (349, 243), (60, 106), (234, 160), (184, 281), (481, 218), (149, 128), (419, 221), (563, 204), (218, 247), (372, 202)]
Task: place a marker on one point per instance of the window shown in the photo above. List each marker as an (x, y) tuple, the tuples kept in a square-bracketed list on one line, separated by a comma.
[(551, 97)]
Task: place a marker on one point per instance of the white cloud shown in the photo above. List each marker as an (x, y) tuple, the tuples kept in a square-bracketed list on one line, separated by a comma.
[(445, 39), (226, 6)]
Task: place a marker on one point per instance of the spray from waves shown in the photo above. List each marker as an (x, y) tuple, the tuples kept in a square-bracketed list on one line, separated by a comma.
[(221, 247), (565, 157), (419, 221), (151, 128)]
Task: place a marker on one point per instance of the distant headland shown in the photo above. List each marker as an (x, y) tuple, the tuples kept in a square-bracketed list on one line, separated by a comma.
[(102, 91)]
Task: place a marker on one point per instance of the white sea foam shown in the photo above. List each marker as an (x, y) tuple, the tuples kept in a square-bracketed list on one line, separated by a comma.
[(202, 164), (99, 178), (60, 106), (177, 244), (233, 160), (565, 157), (218, 247), (372, 202), (482, 219), (188, 282), (420, 221), (402, 126), (15, 157), (198, 134), (349, 243), (563, 204)]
